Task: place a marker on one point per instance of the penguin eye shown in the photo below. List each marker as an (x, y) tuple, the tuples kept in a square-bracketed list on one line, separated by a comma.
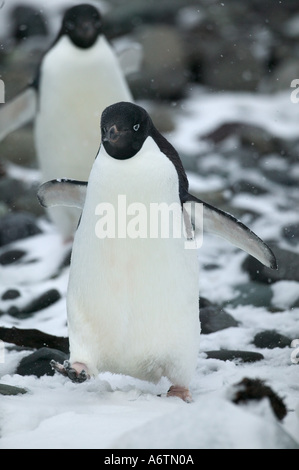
[(136, 127)]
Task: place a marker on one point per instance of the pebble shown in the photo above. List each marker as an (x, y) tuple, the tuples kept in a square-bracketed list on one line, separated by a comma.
[(271, 339), (255, 389), (45, 300), (291, 234), (11, 256), (11, 390), (38, 363), (163, 72), (11, 294), (288, 267), (238, 356), (16, 226), (251, 293), (214, 318)]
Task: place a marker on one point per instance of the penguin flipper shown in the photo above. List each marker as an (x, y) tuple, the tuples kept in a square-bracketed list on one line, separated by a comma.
[(228, 227), (130, 59), (63, 192), (18, 112)]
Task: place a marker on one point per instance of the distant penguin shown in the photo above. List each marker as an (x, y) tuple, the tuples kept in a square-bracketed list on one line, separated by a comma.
[(132, 298), (78, 78)]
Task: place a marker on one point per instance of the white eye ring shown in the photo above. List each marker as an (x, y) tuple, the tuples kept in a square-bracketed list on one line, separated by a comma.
[(136, 127)]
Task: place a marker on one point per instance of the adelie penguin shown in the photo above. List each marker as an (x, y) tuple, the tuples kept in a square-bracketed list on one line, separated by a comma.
[(78, 78), (132, 302)]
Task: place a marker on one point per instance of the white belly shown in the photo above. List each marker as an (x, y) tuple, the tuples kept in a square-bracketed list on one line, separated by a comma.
[(76, 86), (133, 303)]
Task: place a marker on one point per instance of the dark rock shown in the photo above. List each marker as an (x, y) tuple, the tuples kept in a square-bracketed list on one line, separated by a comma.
[(29, 203), (11, 256), (163, 71), (288, 267), (2, 170), (162, 117), (26, 22), (232, 65), (38, 363), (42, 302), (271, 339), (14, 311), (291, 233), (243, 186), (16, 226), (253, 137), (11, 294), (252, 293), (33, 339), (283, 178), (66, 260), (19, 148), (10, 188), (222, 132), (283, 75), (123, 18), (211, 266), (239, 356), (214, 318), (10, 390), (255, 389)]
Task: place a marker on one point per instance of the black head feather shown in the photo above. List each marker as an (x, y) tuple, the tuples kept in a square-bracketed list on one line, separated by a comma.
[(125, 127), (83, 24)]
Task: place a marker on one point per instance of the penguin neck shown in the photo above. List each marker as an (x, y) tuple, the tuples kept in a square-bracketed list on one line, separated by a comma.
[(142, 177), (65, 45)]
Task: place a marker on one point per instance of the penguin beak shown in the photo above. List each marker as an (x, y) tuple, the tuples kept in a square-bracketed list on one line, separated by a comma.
[(87, 29), (112, 135)]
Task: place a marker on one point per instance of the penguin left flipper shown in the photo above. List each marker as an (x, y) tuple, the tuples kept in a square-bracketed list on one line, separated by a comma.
[(72, 373), (62, 192), (130, 59), (18, 112), (207, 217)]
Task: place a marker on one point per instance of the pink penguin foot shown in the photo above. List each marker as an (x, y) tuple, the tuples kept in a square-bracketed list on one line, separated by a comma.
[(180, 392), (76, 372)]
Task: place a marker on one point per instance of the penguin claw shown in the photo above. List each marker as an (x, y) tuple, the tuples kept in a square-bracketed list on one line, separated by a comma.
[(180, 392), (67, 370)]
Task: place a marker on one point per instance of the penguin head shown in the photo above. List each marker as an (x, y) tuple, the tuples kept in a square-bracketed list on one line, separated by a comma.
[(124, 127), (82, 24)]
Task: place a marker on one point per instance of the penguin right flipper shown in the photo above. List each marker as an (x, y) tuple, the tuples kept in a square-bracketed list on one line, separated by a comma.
[(63, 192), (18, 112)]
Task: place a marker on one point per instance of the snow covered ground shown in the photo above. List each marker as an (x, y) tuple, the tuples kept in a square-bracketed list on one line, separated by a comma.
[(119, 412)]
